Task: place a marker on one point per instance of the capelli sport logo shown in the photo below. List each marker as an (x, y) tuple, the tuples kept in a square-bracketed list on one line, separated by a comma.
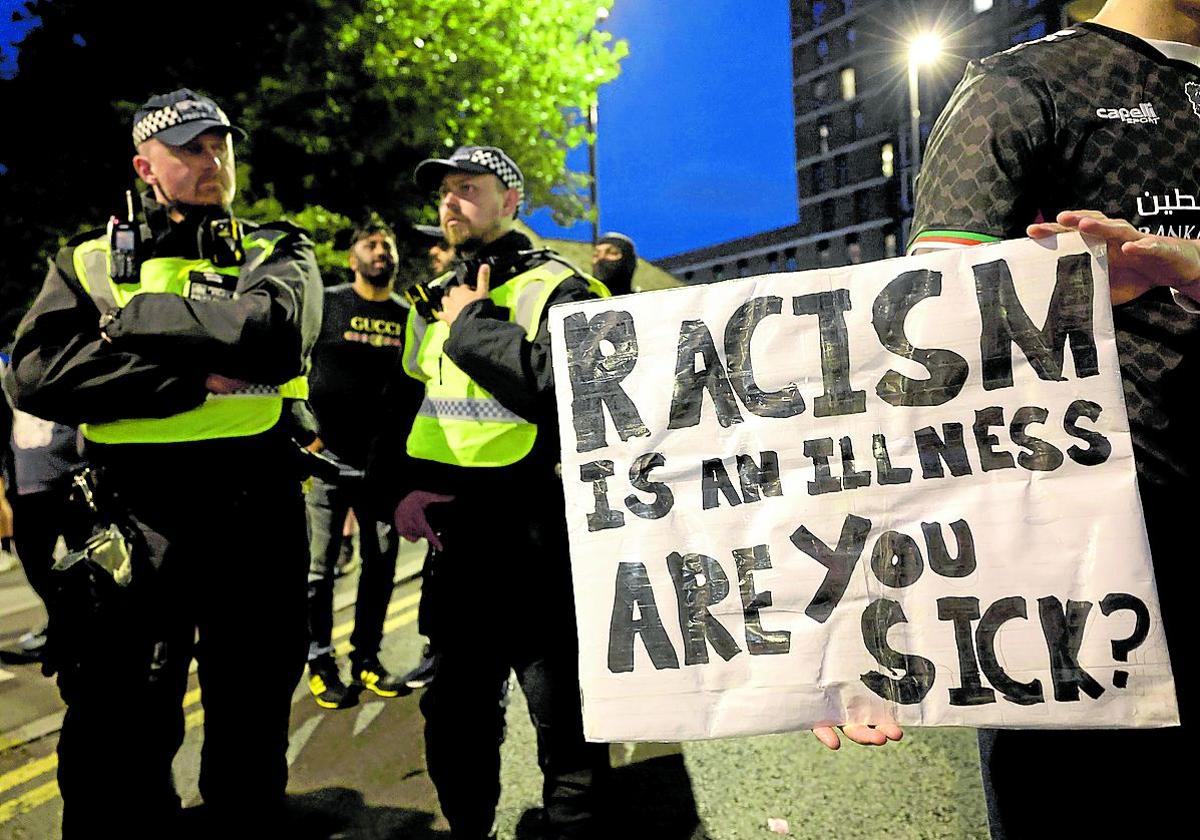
[(1142, 114)]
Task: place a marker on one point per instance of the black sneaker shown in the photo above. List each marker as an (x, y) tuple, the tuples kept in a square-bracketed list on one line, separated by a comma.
[(374, 677), (426, 670), (326, 685)]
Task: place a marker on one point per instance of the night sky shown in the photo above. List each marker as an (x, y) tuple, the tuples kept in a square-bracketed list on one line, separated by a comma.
[(695, 135)]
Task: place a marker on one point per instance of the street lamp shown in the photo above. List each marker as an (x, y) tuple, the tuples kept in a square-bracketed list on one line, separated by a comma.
[(593, 125), (924, 49)]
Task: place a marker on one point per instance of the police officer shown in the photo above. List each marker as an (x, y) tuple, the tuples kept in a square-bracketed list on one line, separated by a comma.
[(173, 341), (479, 483)]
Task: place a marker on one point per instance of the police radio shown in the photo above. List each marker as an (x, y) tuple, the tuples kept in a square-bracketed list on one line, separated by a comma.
[(426, 298), (124, 242)]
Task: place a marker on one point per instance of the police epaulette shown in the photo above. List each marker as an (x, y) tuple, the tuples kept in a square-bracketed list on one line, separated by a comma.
[(285, 225), (86, 236), (550, 255)]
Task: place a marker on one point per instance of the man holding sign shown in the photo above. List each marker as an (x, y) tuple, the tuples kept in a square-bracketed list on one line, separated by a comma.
[(1103, 116), (480, 484)]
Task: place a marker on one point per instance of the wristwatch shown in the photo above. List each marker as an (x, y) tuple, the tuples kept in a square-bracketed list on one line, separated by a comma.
[(106, 320)]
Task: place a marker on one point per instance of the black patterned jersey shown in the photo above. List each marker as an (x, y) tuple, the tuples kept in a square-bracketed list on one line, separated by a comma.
[(1086, 119)]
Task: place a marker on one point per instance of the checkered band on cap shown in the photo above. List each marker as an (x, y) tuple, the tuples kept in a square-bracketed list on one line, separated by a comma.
[(498, 163), (188, 110)]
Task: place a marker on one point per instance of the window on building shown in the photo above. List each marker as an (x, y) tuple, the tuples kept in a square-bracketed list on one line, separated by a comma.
[(824, 254), (860, 206), (820, 90), (887, 160), (718, 271), (828, 214), (859, 122), (819, 7), (823, 49), (889, 244), (819, 180), (853, 249), (982, 5), (772, 262), (841, 170), (743, 267), (789, 259), (849, 91)]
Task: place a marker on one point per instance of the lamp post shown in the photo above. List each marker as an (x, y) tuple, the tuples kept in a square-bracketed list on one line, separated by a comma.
[(593, 124), (923, 49)]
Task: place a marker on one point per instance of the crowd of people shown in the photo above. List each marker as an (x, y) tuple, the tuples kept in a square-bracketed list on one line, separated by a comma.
[(195, 376)]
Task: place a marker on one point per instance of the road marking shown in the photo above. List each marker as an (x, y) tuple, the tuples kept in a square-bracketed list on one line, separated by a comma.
[(25, 803), (300, 737), (46, 792), (29, 771), (366, 716)]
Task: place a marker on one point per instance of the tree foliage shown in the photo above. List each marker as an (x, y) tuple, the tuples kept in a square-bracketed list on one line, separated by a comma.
[(340, 99)]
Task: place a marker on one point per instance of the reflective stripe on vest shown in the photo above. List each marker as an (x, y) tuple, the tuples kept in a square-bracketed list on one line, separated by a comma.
[(459, 422), (240, 414)]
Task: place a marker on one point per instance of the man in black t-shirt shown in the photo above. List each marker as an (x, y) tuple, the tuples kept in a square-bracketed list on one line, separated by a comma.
[(362, 334), (1103, 116)]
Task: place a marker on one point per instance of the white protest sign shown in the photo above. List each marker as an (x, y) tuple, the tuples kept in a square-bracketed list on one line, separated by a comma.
[(901, 491)]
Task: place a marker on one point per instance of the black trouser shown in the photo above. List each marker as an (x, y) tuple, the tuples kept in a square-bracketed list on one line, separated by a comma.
[(326, 506), (218, 554), (38, 521), (503, 601)]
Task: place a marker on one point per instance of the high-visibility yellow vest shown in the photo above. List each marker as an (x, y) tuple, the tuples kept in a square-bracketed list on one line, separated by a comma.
[(459, 422), (240, 414)]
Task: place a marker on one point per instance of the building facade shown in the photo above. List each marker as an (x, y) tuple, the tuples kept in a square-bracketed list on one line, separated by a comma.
[(850, 81)]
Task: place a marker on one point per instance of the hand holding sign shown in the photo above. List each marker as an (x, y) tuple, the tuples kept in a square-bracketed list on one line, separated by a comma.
[(1137, 261), (862, 734)]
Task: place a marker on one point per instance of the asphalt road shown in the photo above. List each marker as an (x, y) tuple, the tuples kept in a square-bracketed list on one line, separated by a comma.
[(360, 773)]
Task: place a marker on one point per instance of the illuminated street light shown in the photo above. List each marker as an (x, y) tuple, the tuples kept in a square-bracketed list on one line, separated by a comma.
[(924, 49)]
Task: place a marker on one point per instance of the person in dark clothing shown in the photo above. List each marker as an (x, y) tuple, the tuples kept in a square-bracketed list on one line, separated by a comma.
[(479, 482), (1097, 116), (362, 331), (440, 256), (173, 344), (439, 252), (42, 458), (614, 262)]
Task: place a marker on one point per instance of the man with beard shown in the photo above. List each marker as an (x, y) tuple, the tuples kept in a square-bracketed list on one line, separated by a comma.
[(173, 341), (479, 482), (614, 262), (362, 333)]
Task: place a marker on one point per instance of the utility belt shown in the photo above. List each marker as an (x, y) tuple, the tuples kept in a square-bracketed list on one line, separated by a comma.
[(109, 550)]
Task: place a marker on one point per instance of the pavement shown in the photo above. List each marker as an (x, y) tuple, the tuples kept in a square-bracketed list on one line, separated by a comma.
[(30, 707)]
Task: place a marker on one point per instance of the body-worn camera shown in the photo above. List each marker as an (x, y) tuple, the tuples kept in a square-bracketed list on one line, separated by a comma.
[(220, 240)]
